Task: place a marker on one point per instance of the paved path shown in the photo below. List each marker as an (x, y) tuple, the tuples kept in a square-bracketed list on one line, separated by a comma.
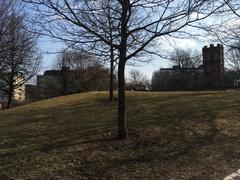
[(233, 176)]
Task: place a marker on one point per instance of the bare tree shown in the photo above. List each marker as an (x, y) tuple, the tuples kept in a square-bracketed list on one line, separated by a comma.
[(232, 32), (226, 29), (18, 55), (234, 6), (146, 21), (80, 72), (159, 80), (6, 8), (233, 58), (186, 61), (74, 60), (137, 81), (185, 58)]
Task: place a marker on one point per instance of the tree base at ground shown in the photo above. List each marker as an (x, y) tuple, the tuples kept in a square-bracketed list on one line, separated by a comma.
[(122, 134)]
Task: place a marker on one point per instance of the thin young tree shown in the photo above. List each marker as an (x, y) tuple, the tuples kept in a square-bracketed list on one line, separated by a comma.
[(137, 24)]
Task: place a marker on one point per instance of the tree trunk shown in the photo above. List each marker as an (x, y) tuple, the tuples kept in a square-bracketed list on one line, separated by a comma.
[(64, 82), (111, 76), (122, 130), (9, 102), (10, 96)]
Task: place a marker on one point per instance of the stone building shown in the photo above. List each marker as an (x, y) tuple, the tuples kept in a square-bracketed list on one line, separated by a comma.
[(66, 81), (19, 93), (213, 66), (209, 75), (177, 78)]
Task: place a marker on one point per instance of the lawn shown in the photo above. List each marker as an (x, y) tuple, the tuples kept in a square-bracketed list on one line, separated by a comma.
[(175, 135)]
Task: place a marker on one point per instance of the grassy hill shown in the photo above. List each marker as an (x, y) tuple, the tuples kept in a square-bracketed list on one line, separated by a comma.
[(192, 135)]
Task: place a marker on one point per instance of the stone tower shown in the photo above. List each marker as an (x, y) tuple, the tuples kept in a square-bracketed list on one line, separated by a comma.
[(213, 66)]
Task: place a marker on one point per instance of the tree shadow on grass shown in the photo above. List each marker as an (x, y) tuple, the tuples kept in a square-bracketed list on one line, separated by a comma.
[(150, 150), (147, 149)]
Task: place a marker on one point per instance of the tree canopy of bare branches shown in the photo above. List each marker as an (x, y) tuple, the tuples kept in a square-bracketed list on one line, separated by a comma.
[(233, 58), (19, 59), (185, 58), (136, 25), (80, 72), (137, 81)]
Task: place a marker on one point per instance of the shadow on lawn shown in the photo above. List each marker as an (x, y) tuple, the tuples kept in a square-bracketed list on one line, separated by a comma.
[(150, 147), (55, 139)]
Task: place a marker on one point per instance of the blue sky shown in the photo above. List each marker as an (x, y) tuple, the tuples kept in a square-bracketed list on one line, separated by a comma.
[(49, 46), (155, 64)]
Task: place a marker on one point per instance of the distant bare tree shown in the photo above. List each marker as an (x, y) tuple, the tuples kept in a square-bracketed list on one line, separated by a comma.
[(73, 59), (185, 63), (185, 58), (137, 81), (85, 71), (159, 79)]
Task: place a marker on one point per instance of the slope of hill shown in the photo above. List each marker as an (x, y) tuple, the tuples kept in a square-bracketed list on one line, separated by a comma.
[(171, 135)]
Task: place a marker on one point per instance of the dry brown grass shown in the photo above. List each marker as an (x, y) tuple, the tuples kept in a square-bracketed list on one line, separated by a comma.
[(192, 135)]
